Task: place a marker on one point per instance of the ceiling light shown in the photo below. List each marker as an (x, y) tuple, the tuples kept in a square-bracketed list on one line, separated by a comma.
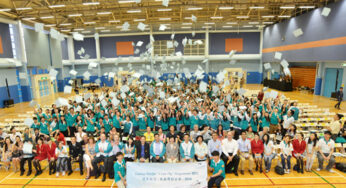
[(5, 9), (104, 13), (56, 6), (209, 23), (79, 29), (50, 25), (139, 20), (188, 23), (227, 26), (216, 17), (241, 17), (134, 11), (74, 15), (163, 19), (269, 16), (164, 9), (126, 1), (194, 8), (31, 18), (47, 17), (232, 23), (86, 31), (307, 7), (287, 7), (114, 21), (89, 22), (253, 22), (206, 27), (24, 8), (226, 8), (284, 16), (106, 30), (91, 3), (255, 7), (268, 22), (186, 27), (247, 25), (65, 24), (99, 27)]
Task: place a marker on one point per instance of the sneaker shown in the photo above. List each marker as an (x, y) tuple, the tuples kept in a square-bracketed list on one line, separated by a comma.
[(285, 171), (267, 171), (288, 170), (63, 173), (331, 171), (251, 172), (57, 174), (318, 169)]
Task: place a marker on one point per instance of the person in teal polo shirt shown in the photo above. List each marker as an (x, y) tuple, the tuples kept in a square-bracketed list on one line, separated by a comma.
[(119, 170), (218, 168), (63, 126), (71, 119), (36, 124), (44, 126)]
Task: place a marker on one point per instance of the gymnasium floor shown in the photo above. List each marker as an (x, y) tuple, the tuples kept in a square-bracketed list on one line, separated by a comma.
[(271, 179)]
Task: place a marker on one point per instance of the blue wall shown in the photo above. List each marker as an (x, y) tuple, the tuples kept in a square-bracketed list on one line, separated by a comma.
[(89, 46), (251, 42), (315, 27), (6, 41)]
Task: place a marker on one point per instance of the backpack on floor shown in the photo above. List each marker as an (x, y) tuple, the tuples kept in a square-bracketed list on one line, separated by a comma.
[(279, 170), (295, 167), (341, 166)]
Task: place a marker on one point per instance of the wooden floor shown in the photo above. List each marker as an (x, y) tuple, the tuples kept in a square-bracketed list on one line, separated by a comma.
[(271, 179)]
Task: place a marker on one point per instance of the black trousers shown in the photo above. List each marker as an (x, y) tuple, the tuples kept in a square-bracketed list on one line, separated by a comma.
[(338, 104), (22, 163), (154, 160), (232, 166), (215, 180), (109, 167), (96, 161), (80, 161)]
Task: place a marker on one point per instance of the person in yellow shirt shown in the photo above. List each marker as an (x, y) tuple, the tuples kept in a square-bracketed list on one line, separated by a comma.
[(149, 136), (335, 126)]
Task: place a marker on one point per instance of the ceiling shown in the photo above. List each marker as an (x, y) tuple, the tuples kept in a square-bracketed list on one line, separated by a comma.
[(108, 16)]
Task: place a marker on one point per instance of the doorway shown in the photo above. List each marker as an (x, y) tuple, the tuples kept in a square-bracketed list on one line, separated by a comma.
[(332, 81)]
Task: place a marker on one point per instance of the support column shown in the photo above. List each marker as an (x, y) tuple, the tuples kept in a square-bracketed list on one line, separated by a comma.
[(98, 59), (318, 81), (70, 51), (206, 50)]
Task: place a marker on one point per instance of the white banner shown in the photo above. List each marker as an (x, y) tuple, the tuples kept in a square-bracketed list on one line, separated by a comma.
[(166, 175)]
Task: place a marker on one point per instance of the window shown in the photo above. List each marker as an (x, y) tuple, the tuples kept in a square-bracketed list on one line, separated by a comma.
[(160, 48), (197, 49)]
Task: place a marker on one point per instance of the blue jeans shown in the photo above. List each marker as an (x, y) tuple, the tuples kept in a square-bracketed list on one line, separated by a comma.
[(268, 160), (288, 160)]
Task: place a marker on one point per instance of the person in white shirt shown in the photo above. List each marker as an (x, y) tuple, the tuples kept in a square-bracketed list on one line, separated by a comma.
[(311, 148), (187, 149), (79, 134), (287, 121), (229, 154), (286, 153), (245, 152), (61, 153), (325, 152), (102, 150), (14, 134), (201, 149), (269, 151)]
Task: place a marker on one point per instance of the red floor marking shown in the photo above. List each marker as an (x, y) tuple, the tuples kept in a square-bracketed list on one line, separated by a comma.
[(269, 178), (85, 183)]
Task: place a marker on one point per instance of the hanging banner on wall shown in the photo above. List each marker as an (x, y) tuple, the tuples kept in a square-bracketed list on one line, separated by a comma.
[(167, 175)]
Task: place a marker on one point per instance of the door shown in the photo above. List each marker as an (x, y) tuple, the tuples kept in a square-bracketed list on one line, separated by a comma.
[(332, 81)]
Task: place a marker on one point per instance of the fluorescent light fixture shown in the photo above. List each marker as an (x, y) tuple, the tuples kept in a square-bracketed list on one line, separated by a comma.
[(216, 17), (227, 26), (206, 27), (139, 20), (46, 17), (287, 7), (99, 27), (163, 19), (31, 18), (194, 8), (105, 31), (89, 22), (134, 11), (164, 9), (247, 26), (186, 27), (103, 13), (255, 7), (65, 30), (226, 8), (56, 6), (284, 16), (50, 25), (269, 16), (306, 7), (114, 21), (209, 23), (86, 32), (79, 29), (268, 22), (65, 24), (186, 23), (91, 3), (74, 15), (242, 17), (126, 1), (24, 8), (232, 23), (254, 23), (5, 9)]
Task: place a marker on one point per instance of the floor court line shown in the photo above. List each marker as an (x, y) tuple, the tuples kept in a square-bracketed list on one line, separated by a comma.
[(59, 179), (323, 179), (269, 178), (224, 181), (6, 177), (312, 177)]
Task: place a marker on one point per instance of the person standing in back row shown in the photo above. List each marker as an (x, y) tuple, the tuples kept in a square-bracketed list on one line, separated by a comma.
[(339, 97)]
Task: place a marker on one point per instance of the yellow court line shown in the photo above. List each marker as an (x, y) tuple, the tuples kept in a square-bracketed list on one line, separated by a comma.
[(6, 177), (225, 183), (112, 184), (312, 177)]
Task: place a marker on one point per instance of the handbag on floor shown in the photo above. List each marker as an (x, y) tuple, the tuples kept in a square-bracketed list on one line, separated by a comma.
[(341, 166), (279, 170)]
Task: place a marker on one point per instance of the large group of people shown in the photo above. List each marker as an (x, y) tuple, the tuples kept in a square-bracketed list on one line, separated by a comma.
[(102, 132)]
